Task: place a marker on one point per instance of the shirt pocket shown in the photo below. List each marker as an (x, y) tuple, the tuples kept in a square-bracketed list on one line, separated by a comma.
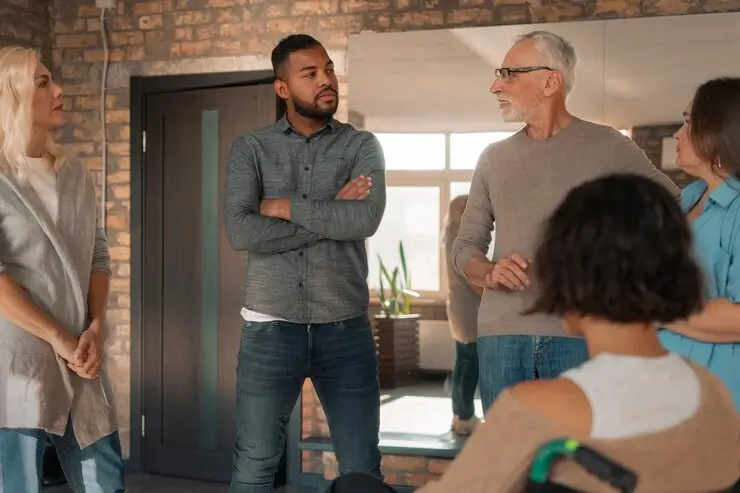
[(278, 176), (329, 175)]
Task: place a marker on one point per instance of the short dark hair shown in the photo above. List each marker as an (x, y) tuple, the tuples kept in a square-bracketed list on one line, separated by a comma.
[(618, 248), (288, 45), (715, 123)]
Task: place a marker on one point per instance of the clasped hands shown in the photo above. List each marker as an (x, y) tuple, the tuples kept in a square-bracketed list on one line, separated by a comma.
[(509, 273), (84, 355), (356, 189)]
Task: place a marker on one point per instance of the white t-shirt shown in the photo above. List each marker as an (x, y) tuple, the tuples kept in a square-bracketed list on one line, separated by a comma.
[(43, 179), (633, 395)]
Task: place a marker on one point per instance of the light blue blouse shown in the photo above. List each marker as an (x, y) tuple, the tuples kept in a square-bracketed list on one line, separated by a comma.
[(717, 250)]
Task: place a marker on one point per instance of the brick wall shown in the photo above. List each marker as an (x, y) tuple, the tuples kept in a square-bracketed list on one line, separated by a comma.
[(189, 36), (650, 139), (27, 23)]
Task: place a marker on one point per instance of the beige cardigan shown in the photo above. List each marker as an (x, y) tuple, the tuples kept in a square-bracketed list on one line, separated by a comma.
[(53, 263), (700, 455)]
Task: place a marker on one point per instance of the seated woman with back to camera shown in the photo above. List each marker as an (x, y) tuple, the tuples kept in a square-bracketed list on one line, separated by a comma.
[(615, 263)]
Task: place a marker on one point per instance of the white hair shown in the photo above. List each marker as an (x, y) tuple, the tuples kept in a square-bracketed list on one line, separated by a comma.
[(558, 54)]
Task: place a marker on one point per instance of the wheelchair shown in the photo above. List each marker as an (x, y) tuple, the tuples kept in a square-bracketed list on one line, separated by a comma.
[(603, 468)]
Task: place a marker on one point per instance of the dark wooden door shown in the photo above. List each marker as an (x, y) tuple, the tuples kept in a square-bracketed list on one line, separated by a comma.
[(192, 278)]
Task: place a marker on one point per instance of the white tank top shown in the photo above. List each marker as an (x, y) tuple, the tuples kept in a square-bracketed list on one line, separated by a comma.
[(633, 395)]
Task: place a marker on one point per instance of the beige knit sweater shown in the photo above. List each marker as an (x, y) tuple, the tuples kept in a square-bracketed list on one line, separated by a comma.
[(700, 455)]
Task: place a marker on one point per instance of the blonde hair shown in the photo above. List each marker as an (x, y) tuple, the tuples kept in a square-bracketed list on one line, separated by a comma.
[(454, 214), (17, 87)]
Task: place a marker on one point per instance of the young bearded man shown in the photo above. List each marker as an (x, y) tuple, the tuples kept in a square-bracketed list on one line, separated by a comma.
[(302, 196)]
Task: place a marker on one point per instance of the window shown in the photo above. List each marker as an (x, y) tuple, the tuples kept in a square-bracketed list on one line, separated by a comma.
[(424, 173), (413, 152), (465, 149), (408, 219), (458, 188)]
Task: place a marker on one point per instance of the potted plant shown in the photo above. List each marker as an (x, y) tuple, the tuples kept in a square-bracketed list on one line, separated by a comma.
[(396, 329)]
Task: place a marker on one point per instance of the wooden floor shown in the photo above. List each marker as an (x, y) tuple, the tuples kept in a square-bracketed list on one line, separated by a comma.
[(160, 484)]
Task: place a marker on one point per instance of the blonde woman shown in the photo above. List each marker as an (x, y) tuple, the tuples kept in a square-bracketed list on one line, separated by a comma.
[(54, 281), (463, 300)]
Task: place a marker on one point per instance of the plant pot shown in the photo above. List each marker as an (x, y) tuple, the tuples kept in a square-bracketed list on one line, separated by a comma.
[(397, 340)]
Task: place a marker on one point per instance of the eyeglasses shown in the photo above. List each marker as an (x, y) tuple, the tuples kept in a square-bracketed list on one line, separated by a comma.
[(507, 73)]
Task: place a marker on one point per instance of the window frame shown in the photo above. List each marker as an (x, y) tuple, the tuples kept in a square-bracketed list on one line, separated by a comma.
[(442, 179)]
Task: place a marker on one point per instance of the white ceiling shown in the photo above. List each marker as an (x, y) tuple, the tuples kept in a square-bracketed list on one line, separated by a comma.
[(630, 71)]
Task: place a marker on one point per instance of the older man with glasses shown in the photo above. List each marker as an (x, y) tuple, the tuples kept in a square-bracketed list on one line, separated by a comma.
[(516, 185)]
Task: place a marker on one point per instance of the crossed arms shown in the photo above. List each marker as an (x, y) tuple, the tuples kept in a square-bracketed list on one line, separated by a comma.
[(279, 225)]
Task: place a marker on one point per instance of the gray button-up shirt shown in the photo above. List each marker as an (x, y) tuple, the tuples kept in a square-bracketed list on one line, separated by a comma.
[(290, 273)]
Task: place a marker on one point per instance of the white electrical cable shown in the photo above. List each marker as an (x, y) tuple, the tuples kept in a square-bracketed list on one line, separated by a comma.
[(104, 146)]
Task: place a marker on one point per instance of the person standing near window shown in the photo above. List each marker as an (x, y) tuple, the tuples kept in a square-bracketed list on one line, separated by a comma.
[(463, 300), (517, 183), (708, 148), (54, 282), (302, 196)]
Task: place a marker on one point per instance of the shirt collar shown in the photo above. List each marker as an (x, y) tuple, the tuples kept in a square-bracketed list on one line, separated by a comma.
[(284, 126), (723, 195)]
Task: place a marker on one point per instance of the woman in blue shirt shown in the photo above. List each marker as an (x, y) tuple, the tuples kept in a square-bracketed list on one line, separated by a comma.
[(708, 148)]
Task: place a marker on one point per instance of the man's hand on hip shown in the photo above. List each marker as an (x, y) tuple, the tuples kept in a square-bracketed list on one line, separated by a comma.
[(509, 273)]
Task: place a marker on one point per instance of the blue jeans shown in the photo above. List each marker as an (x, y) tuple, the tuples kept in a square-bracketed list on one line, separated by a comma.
[(98, 468), (508, 360), (274, 360), (464, 379)]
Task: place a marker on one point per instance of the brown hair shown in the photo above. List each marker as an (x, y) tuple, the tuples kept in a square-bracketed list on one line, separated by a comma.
[(618, 248), (715, 123)]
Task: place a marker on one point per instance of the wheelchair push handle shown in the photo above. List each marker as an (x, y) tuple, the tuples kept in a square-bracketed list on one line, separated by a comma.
[(590, 460)]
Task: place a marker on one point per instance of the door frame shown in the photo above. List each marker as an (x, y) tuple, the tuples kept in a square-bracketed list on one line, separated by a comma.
[(141, 87)]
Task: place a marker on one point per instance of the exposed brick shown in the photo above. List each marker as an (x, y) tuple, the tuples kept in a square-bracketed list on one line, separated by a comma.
[(184, 34), (155, 7), (513, 14), (721, 5), (126, 38), (192, 18), (224, 3), (469, 16), (365, 5), (70, 27), (314, 7), (191, 49), (88, 10), (224, 16), (419, 20), (666, 7), (615, 8), (76, 40), (556, 12), (148, 22), (348, 23)]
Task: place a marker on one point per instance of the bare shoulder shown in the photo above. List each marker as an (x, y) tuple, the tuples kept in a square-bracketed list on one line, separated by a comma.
[(560, 400)]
